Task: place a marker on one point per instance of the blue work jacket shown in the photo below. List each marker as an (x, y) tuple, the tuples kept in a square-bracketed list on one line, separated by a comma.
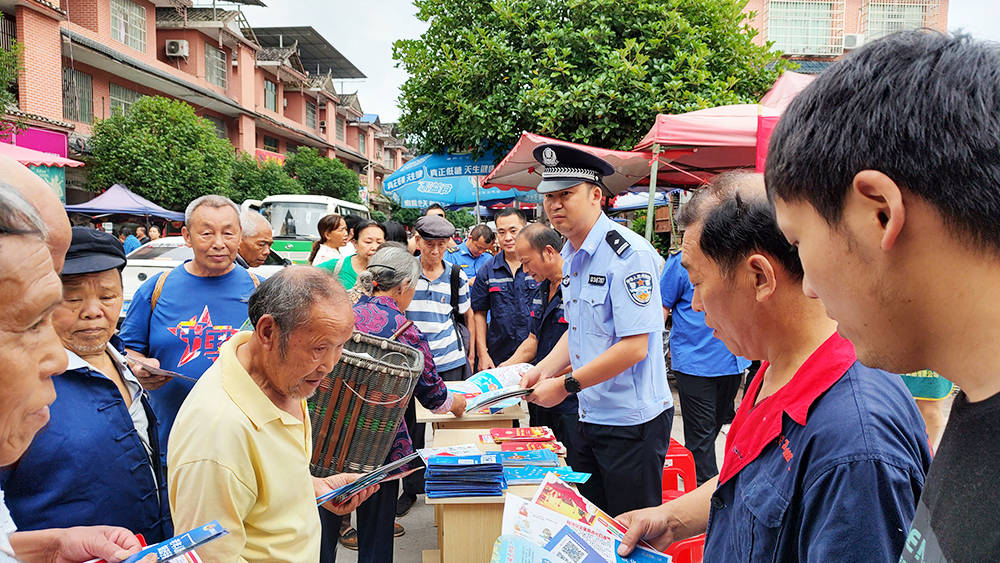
[(507, 296), (461, 256), (548, 324), (829, 468), (88, 467)]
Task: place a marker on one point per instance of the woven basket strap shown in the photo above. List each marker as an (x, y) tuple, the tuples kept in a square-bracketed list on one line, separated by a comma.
[(325, 424), (345, 400), (363, 390)]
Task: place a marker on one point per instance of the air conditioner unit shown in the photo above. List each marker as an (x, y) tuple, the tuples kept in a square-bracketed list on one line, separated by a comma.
[(853, 40), (322, 125), (177, 48), (284, 102)]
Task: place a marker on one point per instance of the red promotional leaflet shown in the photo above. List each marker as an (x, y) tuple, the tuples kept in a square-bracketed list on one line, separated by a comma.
[(555, 446), (530, 434)]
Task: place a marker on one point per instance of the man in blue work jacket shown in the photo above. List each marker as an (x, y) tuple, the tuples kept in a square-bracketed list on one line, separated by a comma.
[(826, 457), (614, 343), (538, 247), (503, 290), (473, 253)]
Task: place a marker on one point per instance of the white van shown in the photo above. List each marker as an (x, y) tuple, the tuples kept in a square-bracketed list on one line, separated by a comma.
[(294, 220)]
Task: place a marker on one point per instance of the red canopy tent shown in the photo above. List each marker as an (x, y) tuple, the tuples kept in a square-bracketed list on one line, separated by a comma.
[(519, 170)]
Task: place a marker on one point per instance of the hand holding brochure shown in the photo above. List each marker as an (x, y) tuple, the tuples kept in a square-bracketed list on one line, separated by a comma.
[(179, 545), (492, 380), (496, 397), (379, 475)]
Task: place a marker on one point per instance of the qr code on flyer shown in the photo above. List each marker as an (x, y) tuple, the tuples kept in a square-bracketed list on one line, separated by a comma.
[(568, 550)]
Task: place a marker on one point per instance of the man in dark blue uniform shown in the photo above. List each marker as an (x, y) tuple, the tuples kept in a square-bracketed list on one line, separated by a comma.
[(538, 247), (473, 253), (614, 343), (504, 291), (826, 457)]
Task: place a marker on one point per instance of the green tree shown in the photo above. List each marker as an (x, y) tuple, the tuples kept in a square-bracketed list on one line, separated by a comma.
[(10, 65), (404, 216), (320, 175), (378, 216), (589, 71), (257, 180), (461, 218), (162, 151)]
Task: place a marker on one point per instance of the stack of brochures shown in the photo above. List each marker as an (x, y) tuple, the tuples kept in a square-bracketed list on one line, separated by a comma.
[(464, 476), (540, 458), (560, 525)]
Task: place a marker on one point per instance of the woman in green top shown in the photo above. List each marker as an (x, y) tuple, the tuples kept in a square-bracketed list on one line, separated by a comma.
[(368, 236)]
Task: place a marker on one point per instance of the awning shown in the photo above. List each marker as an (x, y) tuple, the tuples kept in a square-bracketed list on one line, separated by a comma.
[(519, 169), (31, 157), (119, 199)]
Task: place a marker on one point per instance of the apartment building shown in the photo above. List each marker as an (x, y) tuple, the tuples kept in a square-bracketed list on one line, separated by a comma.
[(817, 32), (266, 90)]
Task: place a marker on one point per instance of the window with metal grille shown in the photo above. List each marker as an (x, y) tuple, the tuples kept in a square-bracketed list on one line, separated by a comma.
[(122, 98), (806, 27), (270, 143), (78, 95), (270, 95), (884, 18), (215, 66), (311, 113), (8, 31), (341, 128), (221, 129), (361, 143), (128, 24)]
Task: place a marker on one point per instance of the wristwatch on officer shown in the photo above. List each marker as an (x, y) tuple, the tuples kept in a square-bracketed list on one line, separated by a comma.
[(571, 384)]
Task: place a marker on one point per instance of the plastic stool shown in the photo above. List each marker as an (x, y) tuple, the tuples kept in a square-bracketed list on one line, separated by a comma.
[(677, 467), (691, 550)]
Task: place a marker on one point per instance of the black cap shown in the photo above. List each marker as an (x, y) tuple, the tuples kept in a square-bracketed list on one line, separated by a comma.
[(566, 167), (93, 251), (434, 226)]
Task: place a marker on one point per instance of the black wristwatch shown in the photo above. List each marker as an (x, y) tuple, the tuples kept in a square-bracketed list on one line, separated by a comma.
[(571, 384)]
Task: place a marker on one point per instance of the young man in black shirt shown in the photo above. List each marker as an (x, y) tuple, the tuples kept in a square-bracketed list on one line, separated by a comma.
[(885, 173)]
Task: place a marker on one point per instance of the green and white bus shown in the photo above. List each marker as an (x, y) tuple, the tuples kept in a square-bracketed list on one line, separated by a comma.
[(294, 220)]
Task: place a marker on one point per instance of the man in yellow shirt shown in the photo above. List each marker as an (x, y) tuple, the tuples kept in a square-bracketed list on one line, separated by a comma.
[(240, 447)]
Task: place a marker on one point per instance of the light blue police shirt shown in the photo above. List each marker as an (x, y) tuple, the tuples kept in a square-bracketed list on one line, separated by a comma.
[(462, 257), (611, 290)]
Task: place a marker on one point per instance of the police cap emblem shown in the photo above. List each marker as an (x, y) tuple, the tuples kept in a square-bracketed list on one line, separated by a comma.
[(549, 157), (640, 287)]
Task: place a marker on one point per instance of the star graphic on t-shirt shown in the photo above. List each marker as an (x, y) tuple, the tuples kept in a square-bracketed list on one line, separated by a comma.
[(201, 336)]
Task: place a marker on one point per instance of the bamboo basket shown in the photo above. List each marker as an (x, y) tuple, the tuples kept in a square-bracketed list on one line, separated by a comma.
[(358, 408)]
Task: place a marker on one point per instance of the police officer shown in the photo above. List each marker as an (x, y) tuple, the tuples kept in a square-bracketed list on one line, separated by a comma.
[(614, 343), (472, 254), (503, 290)]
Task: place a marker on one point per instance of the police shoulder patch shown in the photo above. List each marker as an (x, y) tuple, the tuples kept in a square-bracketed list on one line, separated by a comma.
[(640, 287), (617, 242), (453, 249)]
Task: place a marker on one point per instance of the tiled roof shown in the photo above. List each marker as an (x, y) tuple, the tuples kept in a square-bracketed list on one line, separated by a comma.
[(275, 53), (40, 118), (52, 6)]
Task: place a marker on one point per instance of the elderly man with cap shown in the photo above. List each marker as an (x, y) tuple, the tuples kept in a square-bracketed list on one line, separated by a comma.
[(614, 343), (439, 308), (100, 410)]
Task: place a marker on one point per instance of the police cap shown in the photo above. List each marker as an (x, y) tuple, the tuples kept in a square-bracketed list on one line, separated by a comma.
[(434, 226), (566, 167)]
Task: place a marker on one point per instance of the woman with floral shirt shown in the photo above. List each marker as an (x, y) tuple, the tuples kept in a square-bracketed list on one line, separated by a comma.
[(387, 288)]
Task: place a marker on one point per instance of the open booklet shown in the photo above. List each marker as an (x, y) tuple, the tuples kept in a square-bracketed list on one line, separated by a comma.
[(387, 472), (482, 388)]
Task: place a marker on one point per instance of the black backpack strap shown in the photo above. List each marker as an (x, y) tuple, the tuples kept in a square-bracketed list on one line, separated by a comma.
[(456, 281)]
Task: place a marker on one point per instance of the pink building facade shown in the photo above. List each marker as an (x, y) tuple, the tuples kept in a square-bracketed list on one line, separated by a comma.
[(816, 32), (102, 55)]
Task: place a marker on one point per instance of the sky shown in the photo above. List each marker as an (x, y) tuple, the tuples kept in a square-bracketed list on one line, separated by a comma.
[(363, 31)]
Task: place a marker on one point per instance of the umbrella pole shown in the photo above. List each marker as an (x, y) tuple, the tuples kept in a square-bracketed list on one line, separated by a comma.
[(650, 219), (479, 213)]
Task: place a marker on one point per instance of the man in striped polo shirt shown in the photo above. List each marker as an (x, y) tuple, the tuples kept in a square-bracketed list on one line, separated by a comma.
[(431, 311)]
